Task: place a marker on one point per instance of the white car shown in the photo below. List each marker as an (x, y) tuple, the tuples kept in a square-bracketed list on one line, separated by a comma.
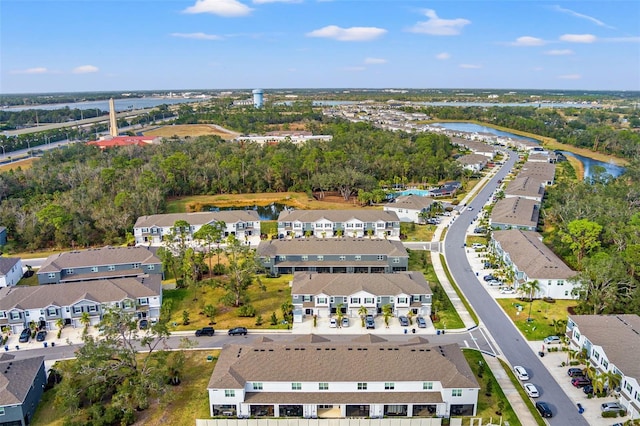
[(508, 290), (521, 373), (333, 323), (531, 390), (477, 246), (552, 340)]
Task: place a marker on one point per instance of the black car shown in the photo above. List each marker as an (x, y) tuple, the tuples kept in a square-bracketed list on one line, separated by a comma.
[(404, 321), (489, 278), (575, 372), (242, 331), (205, 331), (41, 336), (25, 335), (370, 322), (544, 409), (580, 381), (143, 324)]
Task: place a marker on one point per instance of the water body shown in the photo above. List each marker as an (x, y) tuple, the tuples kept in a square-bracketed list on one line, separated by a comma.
[(476, 128), (512, 104), (268, 212), (120, 104), (590, 166)]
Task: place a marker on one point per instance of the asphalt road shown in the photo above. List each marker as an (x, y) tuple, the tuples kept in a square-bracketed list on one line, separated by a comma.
[(513, 346)]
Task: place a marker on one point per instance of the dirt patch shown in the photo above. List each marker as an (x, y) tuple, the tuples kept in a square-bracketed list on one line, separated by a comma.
[(191, 130), (23, 164)]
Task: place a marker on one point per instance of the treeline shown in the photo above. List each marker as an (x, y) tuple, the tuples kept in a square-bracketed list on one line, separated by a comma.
[(595, 227), (597, 130), (81, 196)]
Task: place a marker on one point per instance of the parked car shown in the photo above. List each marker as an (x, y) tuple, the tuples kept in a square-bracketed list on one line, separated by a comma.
[(41, 336), (611, 406), (25, 335), (470, 208), (333, 323), (552, 340), (495, 282), (489, 277), (369, 322), (345, 322), (507, 290), (143, 324), (580, 381), (544, 409), (587, 389), (242, 331), (575, 372), (205, 331), (422, 323), (531, 390), (477, 246), (404, 321), (521, 373)]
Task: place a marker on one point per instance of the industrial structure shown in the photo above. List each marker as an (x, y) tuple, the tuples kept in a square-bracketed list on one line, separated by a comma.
[(258, 100)]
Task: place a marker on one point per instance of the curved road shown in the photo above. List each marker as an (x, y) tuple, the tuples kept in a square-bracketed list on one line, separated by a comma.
[(511, 342)]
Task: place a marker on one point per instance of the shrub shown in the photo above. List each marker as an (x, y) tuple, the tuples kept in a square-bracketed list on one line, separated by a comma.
[(246, 311), (219, 269), (259, 320), (274, 319)]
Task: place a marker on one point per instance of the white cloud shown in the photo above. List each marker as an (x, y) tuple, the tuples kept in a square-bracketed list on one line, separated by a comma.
[(348, 34), (582, 16), (570, 77), (578, 38), (197, 36), (225, 8), (36, 70), (375, 61), (559, 52), (443, 56), (276, 1), (470, 66), (354, 69), (528, 41), (438, 26), (85, 69)]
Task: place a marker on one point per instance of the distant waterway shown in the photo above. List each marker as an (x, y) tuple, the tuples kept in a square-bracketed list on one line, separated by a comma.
[(466, 104), (591, 165), (124, 104), (476, 128)]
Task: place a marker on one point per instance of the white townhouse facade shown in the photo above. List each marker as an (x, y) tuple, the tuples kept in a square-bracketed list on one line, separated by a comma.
[(335, 223), (409, 207), (368, 377), (322, 294), (612, 343), (524, 253), (10, 271), (46, 304), (244, 224)]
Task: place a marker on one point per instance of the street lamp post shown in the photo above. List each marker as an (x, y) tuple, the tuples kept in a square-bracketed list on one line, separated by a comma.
[(3, 153)]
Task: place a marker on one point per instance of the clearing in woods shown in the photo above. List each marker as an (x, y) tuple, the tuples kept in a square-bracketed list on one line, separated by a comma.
[(191, 130)]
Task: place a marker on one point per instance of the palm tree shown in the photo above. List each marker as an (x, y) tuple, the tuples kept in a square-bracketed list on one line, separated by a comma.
[(533, 287), (60, 325), (613, 380), (85, 320), (362, 311), (287, 311), (339, 314), (410, 316), (598, 382), (387, 313)]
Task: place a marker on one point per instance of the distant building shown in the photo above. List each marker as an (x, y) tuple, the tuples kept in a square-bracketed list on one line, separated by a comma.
[(258, 100), (112, 142), (10, 271), (409, 207), (334, 223), (23, 382)]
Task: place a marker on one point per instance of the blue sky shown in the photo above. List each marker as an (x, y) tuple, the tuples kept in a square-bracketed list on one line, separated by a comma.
[(105, 45)]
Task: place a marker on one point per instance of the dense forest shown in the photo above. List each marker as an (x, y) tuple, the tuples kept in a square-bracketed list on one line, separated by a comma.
[(81, 196)]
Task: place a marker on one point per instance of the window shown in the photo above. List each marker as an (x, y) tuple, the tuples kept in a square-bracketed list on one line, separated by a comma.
[(151, 267), (349, 225), (389, 386), (322, 300), (396, 260), (305, 257), (320, 258), (358, 225), (402, 300), (427, 385), (605, 363), (3, 314), (282, 258), (257, 386), (596, 355), (368, 300), (229, 393), (628, 387), (323, 386), (456, 392), (343, 258), (111, 267), (77, 309), (51, 275), (362, 386), (1, 411), (296, 386), (355, 301), (560, 282), (297, 225), (69, 271), (379, 225), (143, 301), (380, 257), (328, 225), (94, 269), (14, 315), (93, 308), (358, 257)]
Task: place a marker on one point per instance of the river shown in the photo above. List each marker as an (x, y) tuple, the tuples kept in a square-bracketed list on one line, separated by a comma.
[(120, 104)]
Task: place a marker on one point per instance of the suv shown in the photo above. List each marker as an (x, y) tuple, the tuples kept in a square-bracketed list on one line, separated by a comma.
[(544, 409), (24, 336), (521, 373), (205, 331), (422, 323), (404, 321), (575, 372), (551, 340), (238, 331), (369, 322), (41, 336), (611, 406), (580, 381)]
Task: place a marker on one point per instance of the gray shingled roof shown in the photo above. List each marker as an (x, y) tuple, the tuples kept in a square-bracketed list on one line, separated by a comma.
[(340, 361), (619, 336), (6, 263), (525, 186), (98, 257), (329, 398), (16, 378), (100, 291), (529, 253), (197, 218), (411, 202), (473, 159), (538, 170), (345, 284), (516, 211), (337, 215), (318, 246)]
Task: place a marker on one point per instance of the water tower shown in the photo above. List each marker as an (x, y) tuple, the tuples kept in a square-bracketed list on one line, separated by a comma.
[(257, 98)]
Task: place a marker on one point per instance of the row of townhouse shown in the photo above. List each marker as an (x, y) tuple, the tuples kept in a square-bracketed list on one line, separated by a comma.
[(314, 377), (333, 255), (336, 223), (321, 295), (612, 344), (243, 224), (45, 305), (410, 208), (529, 259), (23, 382)]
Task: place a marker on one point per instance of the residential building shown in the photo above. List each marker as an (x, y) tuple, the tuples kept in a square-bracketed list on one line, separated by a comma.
[(23, 382), (46, 304), (526, 256), (473, 162), (541, 171), (321, 294), (296, 138), (612, 344), (529, 187), (313, 377), (10, 271), (98, 264), (408, 208), (515, 213), (338, 223), (334, 255), (116, 141), (3, 236), (243, 224), (448, 189)]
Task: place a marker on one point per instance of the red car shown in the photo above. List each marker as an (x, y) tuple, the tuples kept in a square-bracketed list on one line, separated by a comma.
[(580, 382)]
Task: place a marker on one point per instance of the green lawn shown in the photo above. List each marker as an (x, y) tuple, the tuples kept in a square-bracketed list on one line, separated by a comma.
[(543, 315)]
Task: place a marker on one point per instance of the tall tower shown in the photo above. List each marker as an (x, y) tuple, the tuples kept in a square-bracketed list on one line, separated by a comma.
[(257, 98), (113, 123)]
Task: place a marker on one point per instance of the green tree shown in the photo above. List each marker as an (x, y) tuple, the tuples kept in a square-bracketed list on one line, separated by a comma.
[(582, 236), (210, 311), (603, 284), (209, 234), (287, 311), (362, 312), (85, 320), (387, 313), (243, 266)]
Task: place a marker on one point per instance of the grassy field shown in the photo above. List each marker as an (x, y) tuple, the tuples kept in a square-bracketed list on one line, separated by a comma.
[(191, 130), (23, 164), (189, 402), (543, 315)]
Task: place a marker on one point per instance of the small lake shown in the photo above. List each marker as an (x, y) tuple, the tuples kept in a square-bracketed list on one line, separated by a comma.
[(476, 128), (268, 212), (590, 164)]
